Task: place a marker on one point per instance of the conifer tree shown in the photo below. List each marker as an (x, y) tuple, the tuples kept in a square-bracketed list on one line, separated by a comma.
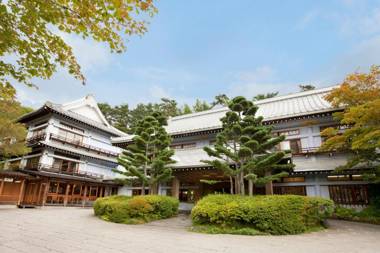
[(245, 148), (147, 159)]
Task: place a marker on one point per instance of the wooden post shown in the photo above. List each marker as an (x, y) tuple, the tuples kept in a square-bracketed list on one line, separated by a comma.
[(84, 196), (101, 192), (1, 186), (46, 190), (175, 187), (66, 195), (21, 194)]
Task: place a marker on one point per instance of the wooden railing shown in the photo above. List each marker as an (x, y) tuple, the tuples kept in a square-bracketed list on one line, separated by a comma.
[(74, 172), (36, 138), (87, 147)]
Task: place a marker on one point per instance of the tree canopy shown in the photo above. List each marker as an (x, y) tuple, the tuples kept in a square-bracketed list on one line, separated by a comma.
[(12, 134), (306, 87), (245, 148), (147, 159), (359, 95), (265, 96), (30, 43)]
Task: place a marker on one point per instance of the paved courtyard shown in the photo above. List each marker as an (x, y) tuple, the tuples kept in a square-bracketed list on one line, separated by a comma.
[(56, 229)]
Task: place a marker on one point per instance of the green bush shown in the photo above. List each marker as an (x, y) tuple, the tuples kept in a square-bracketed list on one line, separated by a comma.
[(135, 210), (276, 214), (371, 214)]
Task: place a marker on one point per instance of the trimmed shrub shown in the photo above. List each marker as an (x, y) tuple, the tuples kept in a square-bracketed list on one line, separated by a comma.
[(135, 210), (275, 214), (371, 214)]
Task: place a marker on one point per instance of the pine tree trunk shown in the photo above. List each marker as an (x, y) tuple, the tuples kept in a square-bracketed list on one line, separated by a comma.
[(153, 189), (242, 187), (231, 185), (237, 184), (250, 187), (143, 189)]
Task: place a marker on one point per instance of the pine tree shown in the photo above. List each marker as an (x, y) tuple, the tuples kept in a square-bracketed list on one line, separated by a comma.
[(147, 159), (244, 150)]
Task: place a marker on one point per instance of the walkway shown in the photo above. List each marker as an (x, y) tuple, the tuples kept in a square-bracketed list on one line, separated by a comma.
[(77, 230)]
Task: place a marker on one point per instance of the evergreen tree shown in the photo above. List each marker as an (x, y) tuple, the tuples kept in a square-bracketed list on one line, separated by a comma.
[(186, 109), (147, 159), (244, 149), (201, 106), (265, 96)]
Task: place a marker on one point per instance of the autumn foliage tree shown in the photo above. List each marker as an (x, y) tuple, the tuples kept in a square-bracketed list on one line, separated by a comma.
[(148, 158), (31, 47), (12, 134), (359, 97), (244, 150)]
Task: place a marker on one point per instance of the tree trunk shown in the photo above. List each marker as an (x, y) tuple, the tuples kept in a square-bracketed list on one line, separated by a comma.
[(268, 186), (153, 189), (250, 187), (143, 189), (242, 187), (237, 184), (231, 185)]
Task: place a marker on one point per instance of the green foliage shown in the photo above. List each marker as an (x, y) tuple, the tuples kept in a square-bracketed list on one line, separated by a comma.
[(276, 214), (232, 230), (306, 87), (245, 148), (148, 157), (359, 96), (201, 106), (135, 210), (265, 96), (12, 134), (370, 214), (28, 33)]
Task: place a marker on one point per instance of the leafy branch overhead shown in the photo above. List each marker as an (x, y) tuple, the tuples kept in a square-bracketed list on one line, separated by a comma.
[(32, 47), (245, 149)]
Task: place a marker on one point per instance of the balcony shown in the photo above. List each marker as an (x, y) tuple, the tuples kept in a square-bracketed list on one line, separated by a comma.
[(72, 172), (35, 139), (79, 144)]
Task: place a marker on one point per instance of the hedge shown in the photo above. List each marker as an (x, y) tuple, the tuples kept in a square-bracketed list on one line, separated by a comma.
[(135, 210), (371, 214), (273, 214)]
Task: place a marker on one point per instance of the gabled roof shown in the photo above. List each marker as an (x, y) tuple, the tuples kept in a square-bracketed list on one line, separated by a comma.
[(281, 107), (84, 110), (277, 108)]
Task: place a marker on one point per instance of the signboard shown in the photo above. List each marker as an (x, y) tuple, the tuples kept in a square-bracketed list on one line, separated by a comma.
[(7, 179)]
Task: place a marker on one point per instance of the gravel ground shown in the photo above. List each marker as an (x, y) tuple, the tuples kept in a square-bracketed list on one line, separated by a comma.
[(58, 229)]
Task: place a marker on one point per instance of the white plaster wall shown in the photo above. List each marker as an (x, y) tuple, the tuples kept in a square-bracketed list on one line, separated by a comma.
[(124, 190)]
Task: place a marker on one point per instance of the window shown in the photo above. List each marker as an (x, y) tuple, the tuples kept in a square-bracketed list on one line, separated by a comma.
[(70, 136), (53, 187), (184, 145), (290, 132), (65, 165), (294, 145), (32, 163), (295, 190)]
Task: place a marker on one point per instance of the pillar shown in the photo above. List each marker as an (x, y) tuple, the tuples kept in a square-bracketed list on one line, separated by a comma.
[(1, 186), (65, 200), (21, 194), (175, 187), (84, 196), (46, 190)]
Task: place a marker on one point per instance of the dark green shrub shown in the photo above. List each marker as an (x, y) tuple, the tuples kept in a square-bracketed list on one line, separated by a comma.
[(276, 214), (370, 214), (135, 210)]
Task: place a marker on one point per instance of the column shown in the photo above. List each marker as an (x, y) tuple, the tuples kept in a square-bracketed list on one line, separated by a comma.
[(84, 196), (47, 186), (65, 200), (21, 194), (175, 187)]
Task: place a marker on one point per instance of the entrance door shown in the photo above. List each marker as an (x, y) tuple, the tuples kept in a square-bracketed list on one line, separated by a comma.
[(31, 193)]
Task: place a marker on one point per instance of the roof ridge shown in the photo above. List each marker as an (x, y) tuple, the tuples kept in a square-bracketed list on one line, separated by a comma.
[(195, 114)]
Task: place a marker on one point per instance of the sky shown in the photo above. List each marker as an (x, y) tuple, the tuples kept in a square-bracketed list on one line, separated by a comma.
[(202, 48)]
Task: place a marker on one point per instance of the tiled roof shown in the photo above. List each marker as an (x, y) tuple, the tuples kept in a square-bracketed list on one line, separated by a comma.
[(60, 109), (281, 107), (190, 157)]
